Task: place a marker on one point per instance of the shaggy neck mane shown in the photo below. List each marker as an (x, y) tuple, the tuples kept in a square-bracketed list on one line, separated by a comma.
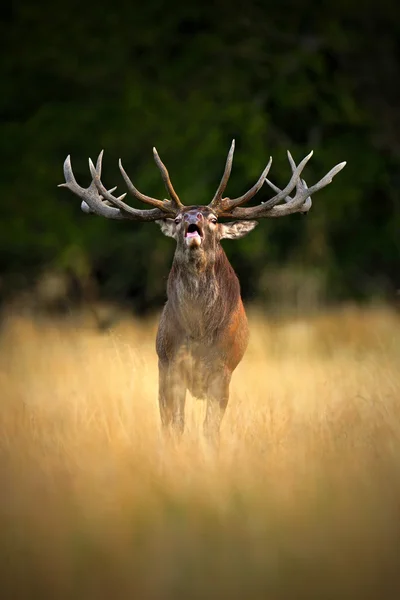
[(198, 285)]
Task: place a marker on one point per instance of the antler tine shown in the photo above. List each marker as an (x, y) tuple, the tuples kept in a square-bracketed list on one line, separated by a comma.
[(215, 202), (167, 181), (161, 204), (99, 164)]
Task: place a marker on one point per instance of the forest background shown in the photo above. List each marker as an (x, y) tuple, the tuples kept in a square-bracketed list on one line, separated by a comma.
[(187, 79)]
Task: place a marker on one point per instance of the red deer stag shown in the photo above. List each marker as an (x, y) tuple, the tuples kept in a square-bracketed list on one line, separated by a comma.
[(203, 331)]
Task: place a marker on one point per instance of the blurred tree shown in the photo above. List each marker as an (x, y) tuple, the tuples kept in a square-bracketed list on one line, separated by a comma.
[(272, 75)]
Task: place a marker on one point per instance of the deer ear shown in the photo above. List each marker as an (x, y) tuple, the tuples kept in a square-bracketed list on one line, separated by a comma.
[(236, 229), (168, 227)]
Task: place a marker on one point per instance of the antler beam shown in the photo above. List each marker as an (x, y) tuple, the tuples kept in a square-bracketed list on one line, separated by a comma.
[(301, 202), (98, 200)]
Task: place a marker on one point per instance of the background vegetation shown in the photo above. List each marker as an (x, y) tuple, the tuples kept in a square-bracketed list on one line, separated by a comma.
[(188, 78), (301, 502)]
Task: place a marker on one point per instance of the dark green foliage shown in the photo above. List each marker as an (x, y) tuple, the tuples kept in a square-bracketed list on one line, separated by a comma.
[(273, 75)]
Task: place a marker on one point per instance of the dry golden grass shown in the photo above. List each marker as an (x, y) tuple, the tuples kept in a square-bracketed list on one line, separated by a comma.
[(302, 501)]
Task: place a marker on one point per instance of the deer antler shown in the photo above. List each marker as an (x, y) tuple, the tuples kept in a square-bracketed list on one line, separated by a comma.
[(301, 202), (98, 200), (167, 181)]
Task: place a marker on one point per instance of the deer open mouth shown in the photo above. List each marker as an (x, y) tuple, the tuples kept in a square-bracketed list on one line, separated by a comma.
[(194, 234)]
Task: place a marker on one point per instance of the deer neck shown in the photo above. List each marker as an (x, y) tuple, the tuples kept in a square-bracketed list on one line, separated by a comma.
[(203, 293), (196, 270)]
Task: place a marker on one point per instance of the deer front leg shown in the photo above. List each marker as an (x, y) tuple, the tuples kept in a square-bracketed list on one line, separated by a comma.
[(217, 400), (171, 397)]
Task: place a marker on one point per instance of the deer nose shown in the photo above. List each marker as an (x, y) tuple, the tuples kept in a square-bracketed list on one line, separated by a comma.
[(193, 218)]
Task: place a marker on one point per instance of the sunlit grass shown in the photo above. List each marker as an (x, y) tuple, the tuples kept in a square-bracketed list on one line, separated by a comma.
[(302, 501)]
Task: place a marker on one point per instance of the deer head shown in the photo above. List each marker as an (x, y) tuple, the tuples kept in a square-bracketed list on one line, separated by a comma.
[(196, 230)]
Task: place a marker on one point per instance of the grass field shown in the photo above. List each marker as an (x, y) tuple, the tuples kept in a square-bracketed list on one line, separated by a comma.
[(303, 500)]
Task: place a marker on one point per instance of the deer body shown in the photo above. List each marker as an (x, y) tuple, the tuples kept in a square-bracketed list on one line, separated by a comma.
[(203, 331)]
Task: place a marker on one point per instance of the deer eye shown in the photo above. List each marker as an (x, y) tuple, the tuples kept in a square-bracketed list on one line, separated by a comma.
[(177, 220), (213, 220)]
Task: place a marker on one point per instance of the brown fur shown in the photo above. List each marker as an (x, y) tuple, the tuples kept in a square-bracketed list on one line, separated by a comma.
[(203, 330)]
